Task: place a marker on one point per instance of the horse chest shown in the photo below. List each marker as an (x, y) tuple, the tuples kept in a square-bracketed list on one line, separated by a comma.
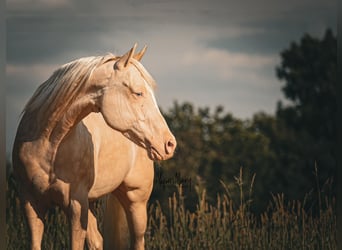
[(114, 157), (109, 174)]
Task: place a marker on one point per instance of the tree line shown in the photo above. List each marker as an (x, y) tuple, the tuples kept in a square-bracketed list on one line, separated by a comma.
[(291, 152)]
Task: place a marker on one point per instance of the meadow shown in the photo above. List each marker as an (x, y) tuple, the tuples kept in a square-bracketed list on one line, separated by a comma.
[(227, 224)]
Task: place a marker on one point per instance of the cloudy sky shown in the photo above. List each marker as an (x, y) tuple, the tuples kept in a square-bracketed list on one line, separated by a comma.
[(207, 52)]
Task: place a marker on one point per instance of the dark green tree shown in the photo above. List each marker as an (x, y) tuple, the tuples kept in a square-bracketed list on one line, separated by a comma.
[(309, 71), (212, 147), (281, 150), (302, 134)]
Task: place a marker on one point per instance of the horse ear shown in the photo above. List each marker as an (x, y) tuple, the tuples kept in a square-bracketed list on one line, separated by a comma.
[(139, 55), (124, 60)]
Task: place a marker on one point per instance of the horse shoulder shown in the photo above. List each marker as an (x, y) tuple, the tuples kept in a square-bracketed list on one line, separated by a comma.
[(75, 159), (113, 155)]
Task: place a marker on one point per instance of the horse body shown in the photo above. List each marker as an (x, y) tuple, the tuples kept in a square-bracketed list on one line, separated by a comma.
[(96, 132), (97, 155), (105, 162), (100, 156)]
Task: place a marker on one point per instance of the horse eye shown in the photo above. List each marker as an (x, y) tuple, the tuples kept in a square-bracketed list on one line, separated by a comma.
[(138, 93)]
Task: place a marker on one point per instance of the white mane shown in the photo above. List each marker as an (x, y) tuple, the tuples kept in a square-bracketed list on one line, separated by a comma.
[(53, 97), (57, 93)]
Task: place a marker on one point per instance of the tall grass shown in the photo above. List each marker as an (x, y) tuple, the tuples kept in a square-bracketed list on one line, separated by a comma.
[(227, 224), (230, 224)]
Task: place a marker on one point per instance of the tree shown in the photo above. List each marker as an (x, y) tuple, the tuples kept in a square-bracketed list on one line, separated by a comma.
[(212, 147), (309, 71), (281, 150)]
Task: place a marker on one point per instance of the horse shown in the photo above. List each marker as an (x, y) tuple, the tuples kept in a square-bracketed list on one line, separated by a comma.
[(92, 129)]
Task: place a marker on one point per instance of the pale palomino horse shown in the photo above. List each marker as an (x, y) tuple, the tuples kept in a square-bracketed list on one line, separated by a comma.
[(93, 128)]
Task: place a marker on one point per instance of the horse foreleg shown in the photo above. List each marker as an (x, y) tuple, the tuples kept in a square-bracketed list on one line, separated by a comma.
[(137, 222), (136, 214), (115, 228), (78, 216), (93, 237), (35, 215)]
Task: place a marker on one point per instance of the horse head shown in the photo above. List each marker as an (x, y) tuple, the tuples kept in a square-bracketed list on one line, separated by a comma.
[(127, 104)]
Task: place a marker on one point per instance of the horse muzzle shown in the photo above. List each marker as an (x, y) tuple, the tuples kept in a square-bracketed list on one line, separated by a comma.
[(163, 154)]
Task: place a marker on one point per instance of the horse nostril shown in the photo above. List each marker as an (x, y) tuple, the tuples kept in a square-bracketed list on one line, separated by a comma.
[(170, 146)]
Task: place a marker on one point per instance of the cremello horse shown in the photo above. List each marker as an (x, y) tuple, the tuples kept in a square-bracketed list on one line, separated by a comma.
[(93, 128)]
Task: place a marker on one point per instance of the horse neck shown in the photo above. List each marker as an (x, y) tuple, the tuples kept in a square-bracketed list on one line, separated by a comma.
[(44, 139), (75, 113)]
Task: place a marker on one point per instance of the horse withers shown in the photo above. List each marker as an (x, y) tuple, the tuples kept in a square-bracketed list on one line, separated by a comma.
[(92, 129)]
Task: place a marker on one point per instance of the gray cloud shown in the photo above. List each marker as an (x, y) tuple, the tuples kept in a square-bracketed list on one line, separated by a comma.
[(42, 39), (49, 28)]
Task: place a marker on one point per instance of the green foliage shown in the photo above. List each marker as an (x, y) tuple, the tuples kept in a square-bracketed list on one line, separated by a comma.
[(309, 69), (282, 150), (212, 146)]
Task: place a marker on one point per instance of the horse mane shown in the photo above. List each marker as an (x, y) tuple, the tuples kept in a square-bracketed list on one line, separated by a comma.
[(57, 93), (53, 97)]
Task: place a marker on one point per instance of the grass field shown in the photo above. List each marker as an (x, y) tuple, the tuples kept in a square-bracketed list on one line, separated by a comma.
[(228, 224)]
